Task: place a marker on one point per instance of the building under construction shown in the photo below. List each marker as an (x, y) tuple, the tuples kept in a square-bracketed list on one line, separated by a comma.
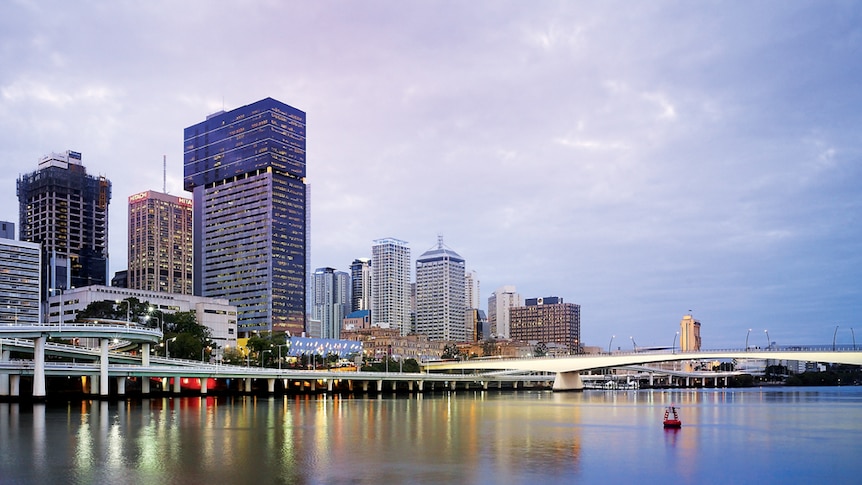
[(66, 212)]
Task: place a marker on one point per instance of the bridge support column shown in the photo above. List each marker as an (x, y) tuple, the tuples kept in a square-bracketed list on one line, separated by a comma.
[(39, 367), (453, 385), (314, 385), (94, 386), (364, 386), (329, 385), (204, 382), (177, 387), (410, 386), (14, 385), (687, 381), (500, 384), (421, 385), (485, 385), (515, 383), (394, 386), (121, 386), (103, 368), (247, 385), (567, 381), (725, 381), (379, 385), (651, 375), (145, 361), (270, 386), (4, 378)]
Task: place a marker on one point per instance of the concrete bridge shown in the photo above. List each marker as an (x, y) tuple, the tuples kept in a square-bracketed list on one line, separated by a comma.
[(568, 369)]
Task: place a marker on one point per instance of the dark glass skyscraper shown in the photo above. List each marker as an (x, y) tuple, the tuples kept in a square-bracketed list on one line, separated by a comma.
[(246, 170), (66, 211)]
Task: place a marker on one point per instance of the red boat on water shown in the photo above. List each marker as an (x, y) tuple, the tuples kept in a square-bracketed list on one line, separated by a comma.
[(671, 418)]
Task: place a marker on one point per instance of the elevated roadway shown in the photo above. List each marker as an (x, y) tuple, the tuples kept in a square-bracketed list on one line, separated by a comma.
[(567, 369)]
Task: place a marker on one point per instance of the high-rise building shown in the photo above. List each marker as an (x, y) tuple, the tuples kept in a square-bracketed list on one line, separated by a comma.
[(689, 334), (440, 296), (308, 271), (476, 323), (246, 170), (390, 284), (66, 212), (331, 293), (20, 285), (360, 280), (160, 243), (548, 320), (499, 303), (471, 289), (7, 230)]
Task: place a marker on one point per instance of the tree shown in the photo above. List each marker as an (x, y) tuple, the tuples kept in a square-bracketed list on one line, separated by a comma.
[(450, 351), (540, 350), (489, 348), (188, 339)]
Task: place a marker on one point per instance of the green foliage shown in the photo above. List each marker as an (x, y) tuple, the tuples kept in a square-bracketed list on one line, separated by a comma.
[(489, 347), (450, 351), (540, 350)]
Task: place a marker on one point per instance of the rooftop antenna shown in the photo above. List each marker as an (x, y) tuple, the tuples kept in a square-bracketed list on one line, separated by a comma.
[(164, 174)]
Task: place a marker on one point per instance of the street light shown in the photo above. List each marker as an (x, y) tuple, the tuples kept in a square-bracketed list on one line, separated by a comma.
[(609, 343), (746, 339), (673, 347), (279, 354), (204, 349), (834, 334), (168, 347), (634, 344), (261, 355), (128, 310)]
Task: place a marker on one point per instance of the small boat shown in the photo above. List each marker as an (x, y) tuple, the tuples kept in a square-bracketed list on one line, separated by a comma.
[(671, 418)]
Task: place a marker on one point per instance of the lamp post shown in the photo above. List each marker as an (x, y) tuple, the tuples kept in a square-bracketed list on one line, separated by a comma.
[(673, 347), (634, 344), (834, 334), (60, 317), (168, 347), (768, 344), (746, 339), (609, 343), (279, 354), (128, 310), (262, 353)]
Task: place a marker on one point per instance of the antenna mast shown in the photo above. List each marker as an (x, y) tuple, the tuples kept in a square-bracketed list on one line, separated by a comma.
[(164, 174)]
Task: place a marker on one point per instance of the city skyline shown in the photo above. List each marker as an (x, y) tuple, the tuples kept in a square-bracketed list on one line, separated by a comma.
[(634, 159)]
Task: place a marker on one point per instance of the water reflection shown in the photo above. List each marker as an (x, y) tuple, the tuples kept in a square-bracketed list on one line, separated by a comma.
[(461, 438)]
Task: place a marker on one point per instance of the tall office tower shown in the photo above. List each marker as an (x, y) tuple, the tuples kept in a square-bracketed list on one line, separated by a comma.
[(476, 324), (7, 230), (360, 278), (440, 298), (548, 320), (308, 273), (160, 243), (689, 334), (66, 211), (499, 303), (471, 289), (331, 300), (20, 285), (390, 284), (246, 170)]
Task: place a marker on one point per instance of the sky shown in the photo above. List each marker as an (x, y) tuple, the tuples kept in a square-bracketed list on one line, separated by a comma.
[(641, 159)]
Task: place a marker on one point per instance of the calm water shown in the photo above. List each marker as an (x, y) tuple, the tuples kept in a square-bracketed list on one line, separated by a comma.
[(774, 435)]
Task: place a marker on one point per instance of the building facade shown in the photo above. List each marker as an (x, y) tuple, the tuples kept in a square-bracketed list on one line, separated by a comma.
[(499, 303), (360, 280), (331, 296), (440, 297), (20, 282), (160, 243), (477, 325), (66, 211), (471, 289), (390, 284), (689, 334), (217, 314), (7, 230), (548, 320), (246, 170)]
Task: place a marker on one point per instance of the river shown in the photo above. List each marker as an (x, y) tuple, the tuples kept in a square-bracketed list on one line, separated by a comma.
[(757, 435)]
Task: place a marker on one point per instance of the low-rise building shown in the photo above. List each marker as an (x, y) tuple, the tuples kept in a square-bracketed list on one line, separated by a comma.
[(378, 342)]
